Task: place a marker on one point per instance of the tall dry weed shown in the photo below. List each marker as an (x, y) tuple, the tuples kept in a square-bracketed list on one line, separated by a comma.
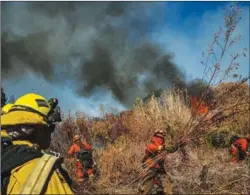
[(119, 160)]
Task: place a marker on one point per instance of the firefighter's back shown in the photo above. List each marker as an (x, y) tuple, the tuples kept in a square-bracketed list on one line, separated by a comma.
[(26, 128), (26, 170), (55, 183)]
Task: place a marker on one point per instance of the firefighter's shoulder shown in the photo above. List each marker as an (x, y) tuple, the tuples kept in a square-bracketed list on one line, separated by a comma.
[(60, 167), (24, 176), (19, 176)]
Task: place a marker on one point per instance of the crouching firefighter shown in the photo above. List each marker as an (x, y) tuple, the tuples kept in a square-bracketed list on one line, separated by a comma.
[(84, 159), (26, 130), (240, 148), (154, 180)]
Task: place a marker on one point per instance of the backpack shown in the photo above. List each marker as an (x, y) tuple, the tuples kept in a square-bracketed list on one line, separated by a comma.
[(218, 140), (85, 157)]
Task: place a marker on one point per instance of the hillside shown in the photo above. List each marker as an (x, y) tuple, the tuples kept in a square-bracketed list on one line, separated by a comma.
[(119, 143)]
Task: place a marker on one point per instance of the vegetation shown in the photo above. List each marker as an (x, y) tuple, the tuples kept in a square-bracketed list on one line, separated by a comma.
[(119, 139), (124, 138), (193, 169)]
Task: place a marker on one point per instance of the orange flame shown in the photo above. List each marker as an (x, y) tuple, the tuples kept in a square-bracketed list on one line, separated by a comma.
[(203, 109)]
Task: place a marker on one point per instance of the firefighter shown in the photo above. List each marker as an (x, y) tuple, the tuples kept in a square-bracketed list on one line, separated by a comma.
[(84, 163), (155, 176), (239, 148), (26, 130)]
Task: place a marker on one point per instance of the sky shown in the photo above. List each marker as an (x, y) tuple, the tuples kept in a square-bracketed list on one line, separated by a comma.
[(182, 28)]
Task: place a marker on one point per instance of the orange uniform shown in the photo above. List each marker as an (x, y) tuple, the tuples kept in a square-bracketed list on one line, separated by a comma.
[(238, 149), (152, 152), (153, 164), (74, 149)]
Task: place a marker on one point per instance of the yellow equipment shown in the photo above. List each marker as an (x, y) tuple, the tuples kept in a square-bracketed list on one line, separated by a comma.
[(33, 103), (6, 108), (24, 168), (32, 176), (38, 177), (32, 109)]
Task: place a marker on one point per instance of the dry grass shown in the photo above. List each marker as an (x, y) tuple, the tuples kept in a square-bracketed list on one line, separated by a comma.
[(125, 137), (236, 102)]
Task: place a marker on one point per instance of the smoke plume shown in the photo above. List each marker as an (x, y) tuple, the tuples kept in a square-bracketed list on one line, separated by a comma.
[(91, 44)]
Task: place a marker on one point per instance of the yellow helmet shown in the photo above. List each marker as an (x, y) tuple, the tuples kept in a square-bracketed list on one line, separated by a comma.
[(6, 108), (32, 102), (31, 109)]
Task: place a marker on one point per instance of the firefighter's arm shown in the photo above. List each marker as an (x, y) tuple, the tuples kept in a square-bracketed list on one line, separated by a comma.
[(230, 150), (86, 145), (71, 150), (234, 149), (152, 148), (235, 145)]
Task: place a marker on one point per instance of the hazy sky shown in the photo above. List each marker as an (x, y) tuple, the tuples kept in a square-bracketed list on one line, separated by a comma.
[(183, 29)]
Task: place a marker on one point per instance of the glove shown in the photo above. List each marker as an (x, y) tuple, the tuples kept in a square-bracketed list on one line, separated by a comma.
[(160, 147)]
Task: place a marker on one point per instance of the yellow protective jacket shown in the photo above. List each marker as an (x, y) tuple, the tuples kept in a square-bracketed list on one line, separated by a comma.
[(55, 184)]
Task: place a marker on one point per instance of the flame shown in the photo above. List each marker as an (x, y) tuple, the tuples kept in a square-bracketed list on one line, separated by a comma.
[(203, 109)]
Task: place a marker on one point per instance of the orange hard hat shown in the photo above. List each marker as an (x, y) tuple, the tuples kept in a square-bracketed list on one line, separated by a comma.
[(76, 137)]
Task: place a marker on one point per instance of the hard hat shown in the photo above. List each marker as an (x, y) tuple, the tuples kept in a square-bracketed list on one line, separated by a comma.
[(160, 133), (6, 108), (32, 102), (30, 109), (76, 137)]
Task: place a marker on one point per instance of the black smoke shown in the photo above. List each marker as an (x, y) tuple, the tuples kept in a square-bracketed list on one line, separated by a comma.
[(200, 89), (91, 44)]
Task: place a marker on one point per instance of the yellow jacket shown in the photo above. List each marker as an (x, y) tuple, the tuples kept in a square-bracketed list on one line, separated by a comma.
[(56, 184)]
